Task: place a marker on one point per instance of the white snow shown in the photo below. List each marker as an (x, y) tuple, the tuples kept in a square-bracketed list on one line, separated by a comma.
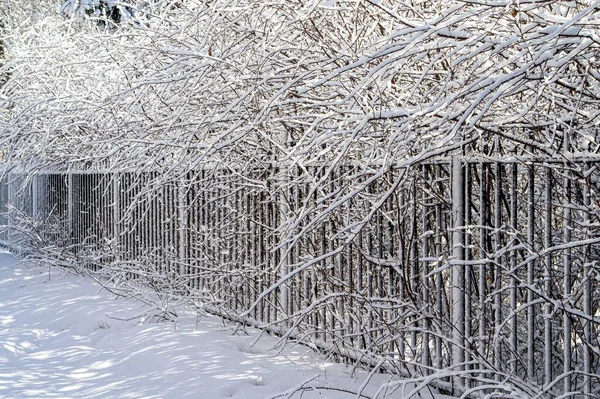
[(63, 336)]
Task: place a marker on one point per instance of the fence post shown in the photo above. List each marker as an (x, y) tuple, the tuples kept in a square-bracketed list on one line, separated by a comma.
[(458, 268)]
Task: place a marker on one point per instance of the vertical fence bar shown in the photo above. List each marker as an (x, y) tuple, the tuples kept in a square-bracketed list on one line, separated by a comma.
[(414, 264), (128, 194), (80, 218), (483, 234), (105, 196), (134, 202), (101, 229), (170, 224), (513, 269), (458, 268), (253, 242), (587, 290), (4, 205), (351, 288), (439, 282), (182, 219), (272, 257), (70, 206), (403, 280), (393, 277), (116, 186), (142, 235), (370, 316), (149, 221), (122, 211), (359, 282), (199, 232), (260, 229), (548, 279), (303, 287), (78, 206), (344, 274), (202, 232), (92, 237), (130, 211), (468, 268), (132, 217), (34, 198), (96, 221), (74, 203), (161, 207), (158, 222), (426, 361), (498, 322), (175, 256), (567, 284), (236, 257), (268, 257), (192, 230), (531, 275), (284, 289), (86, 216), (379, 271), (11, 206), (162, 249)]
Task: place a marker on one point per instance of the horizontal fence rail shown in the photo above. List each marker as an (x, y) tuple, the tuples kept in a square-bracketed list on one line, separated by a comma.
[(480, 275)]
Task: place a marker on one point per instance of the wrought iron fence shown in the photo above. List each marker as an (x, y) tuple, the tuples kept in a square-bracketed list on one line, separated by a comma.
[(477, 274)]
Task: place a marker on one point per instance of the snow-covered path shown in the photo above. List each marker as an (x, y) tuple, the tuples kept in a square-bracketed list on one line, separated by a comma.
[(63, 337)]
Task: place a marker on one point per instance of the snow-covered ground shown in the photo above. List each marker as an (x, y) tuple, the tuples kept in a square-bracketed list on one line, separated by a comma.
[(62, 336)]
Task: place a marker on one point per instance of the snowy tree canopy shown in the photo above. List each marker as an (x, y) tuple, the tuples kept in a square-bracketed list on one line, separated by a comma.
[(381, 80)]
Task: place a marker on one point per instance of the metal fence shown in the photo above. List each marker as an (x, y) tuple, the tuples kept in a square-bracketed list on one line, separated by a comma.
[(476, 275)]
